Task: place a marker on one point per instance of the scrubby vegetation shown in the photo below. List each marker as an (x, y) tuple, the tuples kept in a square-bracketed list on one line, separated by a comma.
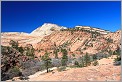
[(10, 58), (20, 61), (62, 68), (95, 63), (117, 60), (109, 40), (17, 61), (87, 60)]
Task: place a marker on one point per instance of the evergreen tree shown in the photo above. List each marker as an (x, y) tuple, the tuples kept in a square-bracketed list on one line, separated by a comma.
[(87, 59), (82, 62), (77, 64), (65, 57), (56, 50), (118, 51), (56, 53), (14, 44), (21, 50), (94, 57), (47, 61), (30, 52)]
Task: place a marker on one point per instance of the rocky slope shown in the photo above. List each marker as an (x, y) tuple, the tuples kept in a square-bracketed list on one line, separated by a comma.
[(46, 29), (80, 39), (53, 38), (23, 39), (32, 38), (78, 42)]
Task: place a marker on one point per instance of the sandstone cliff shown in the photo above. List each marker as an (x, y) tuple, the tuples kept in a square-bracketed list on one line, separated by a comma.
[(85, 39)]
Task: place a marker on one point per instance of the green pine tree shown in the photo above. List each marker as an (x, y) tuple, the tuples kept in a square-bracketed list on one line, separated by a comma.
[(65, 57), (14, 44), (47, 61), (87, 60)]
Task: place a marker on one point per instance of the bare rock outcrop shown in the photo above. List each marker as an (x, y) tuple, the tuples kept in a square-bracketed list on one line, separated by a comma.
[(80, 39), (46, 29)]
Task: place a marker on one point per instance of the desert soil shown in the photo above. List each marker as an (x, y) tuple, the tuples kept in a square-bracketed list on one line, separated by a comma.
[(105, 71)]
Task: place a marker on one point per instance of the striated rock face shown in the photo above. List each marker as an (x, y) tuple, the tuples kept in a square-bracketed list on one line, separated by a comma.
[(53, 38), (50, 35), (93, 29), (46, 29), (80, 42), (116, 37)]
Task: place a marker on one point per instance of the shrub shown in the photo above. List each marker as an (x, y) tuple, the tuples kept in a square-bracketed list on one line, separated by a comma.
[(110, 52), (32, 70), (118, 51), (109, 40), (93, 39), (84, 48), (81, 65), (5, 50), (21, 50), (78, 38), (95, 63), (62, 68), (39, 50), (106, 56), (72, 32), (73, 55), (93, 35), (56, 62), (91, 45), (76, 63), (117, 59), (14, 72), (65, 44), (52, 29), (86, 45)]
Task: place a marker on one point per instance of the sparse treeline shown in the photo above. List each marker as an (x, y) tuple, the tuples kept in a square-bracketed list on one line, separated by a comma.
[(72, 30), (23, 58), (86, 60)]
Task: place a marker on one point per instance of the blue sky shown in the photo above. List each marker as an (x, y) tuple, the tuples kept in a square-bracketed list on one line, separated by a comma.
[(27, 16)]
